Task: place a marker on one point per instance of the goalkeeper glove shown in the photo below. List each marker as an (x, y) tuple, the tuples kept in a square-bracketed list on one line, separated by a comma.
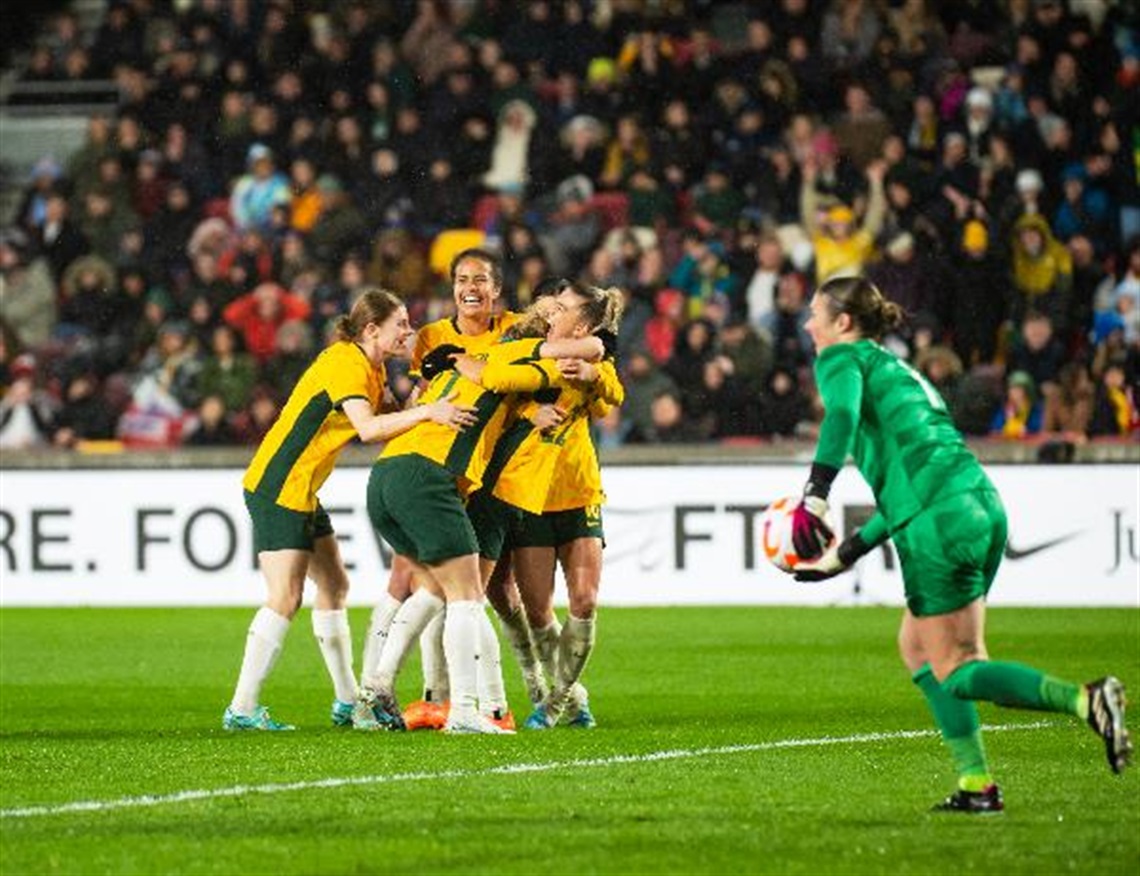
[(836, 559), (810, 533)]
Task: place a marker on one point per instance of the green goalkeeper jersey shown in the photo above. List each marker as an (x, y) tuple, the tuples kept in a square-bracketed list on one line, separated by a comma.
[(895, 425)]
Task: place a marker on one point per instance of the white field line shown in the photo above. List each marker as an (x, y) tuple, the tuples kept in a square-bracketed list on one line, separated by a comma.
[(149, 800)]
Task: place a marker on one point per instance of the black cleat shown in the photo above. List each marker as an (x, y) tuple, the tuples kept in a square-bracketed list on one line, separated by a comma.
[(987, 802), (1106, 717)]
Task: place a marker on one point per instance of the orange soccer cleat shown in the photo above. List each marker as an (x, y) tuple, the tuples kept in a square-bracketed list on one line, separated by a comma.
[(424, 715), (504, 720)]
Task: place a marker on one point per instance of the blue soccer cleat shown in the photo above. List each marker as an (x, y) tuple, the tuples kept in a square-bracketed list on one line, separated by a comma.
[(583, 718), (374, 710), (539, 719), (342, 713), (259, 720)]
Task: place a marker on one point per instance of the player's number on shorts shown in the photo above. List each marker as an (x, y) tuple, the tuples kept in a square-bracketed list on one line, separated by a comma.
[(932, 394)]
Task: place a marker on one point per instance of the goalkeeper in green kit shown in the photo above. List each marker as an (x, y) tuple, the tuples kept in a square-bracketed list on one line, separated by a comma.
[(949, 529)]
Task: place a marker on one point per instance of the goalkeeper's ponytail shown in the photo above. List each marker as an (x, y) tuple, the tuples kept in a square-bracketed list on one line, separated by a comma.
[(872, 314)]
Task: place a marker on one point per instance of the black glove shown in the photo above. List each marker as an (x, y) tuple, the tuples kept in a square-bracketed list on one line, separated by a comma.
[(609, 342), (439, 360)]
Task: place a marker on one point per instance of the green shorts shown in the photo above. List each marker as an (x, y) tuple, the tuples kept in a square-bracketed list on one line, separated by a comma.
[(556, 528), (950, 552), (277, 529), (415, 506), (493, 520)]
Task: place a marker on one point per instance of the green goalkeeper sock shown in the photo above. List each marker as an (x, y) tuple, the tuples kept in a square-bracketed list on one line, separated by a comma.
[(958, 721), (1012, 684)]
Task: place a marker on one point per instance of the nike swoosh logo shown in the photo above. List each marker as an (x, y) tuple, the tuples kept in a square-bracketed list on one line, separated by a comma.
[(1012, 553)]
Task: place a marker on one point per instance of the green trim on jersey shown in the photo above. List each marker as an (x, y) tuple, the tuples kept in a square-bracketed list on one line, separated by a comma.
[(461, 450), (305, 428), (506, 447)]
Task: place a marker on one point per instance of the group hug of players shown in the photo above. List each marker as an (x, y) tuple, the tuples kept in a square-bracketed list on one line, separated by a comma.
[(486, 483), (489, 480)]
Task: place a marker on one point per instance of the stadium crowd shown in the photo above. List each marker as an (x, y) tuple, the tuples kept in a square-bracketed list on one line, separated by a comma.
[(979, 160)]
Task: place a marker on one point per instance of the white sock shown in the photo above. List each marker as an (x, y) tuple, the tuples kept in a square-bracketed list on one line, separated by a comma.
[(461, 645), (409, 622), (334, 638), (574, 648), (517, 631), (437, 689), (546, 644), (378, 626), (262, 645), (492, 695)]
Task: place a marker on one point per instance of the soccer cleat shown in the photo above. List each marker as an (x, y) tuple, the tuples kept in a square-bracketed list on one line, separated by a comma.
[(342, 713), (539, 719), (425, 715), (375, 711), (1106, 717), (505, 720), (582, 718), (985, 802), (478, 724), (259, 720)]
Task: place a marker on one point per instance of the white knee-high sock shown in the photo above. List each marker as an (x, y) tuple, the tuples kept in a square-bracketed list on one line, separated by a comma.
[(517, 630), (437, 689), (409, 622), (492, 693), (262, 645), (378, 626), (546, 644), (334, 638), (461, 644)]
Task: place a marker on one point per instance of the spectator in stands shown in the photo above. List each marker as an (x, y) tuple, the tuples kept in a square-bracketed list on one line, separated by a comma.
[(1020, 413), (45, 178), (294, 354), (1068, 410), (702, 275), (27, 414), (841, 246), (791, 344), (225, 371), (27, 294), (168, 230), (59, 239), (84, 414), (260, 189), (259, 314), (1042, 274), (1114, 405), (305, 203), (978, 294), (212, 425), (340, 228), (1037, 352), (104, 222), (786, 409)]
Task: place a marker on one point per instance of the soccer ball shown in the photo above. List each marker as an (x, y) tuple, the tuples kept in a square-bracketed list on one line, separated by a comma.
[(776, 534)]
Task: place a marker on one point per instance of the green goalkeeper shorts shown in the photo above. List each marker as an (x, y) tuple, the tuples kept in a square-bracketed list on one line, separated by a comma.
[(951, 551)]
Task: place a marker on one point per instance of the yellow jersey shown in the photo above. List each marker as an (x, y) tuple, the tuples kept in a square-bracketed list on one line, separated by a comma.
[(555, 470), (465, 454), (446, 331), (301, 448)]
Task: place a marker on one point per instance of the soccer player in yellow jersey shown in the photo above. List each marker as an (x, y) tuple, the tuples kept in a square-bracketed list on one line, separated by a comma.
[(334, 401), (477, 281), (553, 478), (416, 502)]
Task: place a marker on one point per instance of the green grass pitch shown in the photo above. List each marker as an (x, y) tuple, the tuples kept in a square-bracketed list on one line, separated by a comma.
[(784, 728)]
